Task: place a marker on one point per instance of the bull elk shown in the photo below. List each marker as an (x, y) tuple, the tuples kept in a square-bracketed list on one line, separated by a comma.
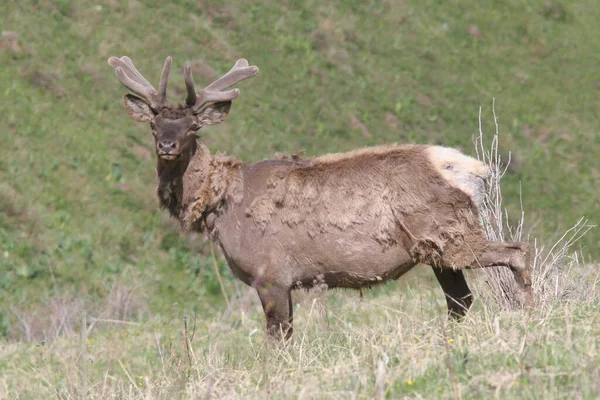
[(348, 220)]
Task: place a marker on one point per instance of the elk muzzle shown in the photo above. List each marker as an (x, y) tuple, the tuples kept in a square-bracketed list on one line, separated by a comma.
[(167, 149)]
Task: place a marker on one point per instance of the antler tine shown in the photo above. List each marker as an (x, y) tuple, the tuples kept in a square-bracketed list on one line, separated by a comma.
[(206, 97), (126, 65), (132, 79), (144, 92), (135, 73), (189, 84), (238, 73), (215, 92), (164, 77)]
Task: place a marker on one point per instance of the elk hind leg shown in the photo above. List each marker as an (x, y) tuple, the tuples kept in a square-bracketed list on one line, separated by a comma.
[(458, 295), (514, 255)]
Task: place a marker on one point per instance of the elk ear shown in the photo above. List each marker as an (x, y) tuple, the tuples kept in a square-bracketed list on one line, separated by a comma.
[(214, 114), (137, 108)]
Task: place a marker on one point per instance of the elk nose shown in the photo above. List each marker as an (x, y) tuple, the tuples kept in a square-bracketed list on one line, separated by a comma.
[(167, 145)]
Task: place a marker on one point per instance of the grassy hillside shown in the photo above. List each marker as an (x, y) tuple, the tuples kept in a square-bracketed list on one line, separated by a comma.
[(79, 224)]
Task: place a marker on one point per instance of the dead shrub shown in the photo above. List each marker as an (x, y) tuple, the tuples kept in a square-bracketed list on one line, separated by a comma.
[(556, 267)]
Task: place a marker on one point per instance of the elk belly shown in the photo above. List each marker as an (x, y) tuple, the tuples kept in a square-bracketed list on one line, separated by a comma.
[(350, 262)]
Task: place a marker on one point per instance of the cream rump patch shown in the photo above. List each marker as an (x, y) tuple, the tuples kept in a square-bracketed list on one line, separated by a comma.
[(461, 171)]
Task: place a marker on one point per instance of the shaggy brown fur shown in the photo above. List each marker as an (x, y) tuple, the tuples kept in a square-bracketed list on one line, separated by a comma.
[(397, 187), (194, 191), (349, 220)]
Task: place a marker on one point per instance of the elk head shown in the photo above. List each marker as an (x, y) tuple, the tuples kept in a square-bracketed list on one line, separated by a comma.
[(174, 128)]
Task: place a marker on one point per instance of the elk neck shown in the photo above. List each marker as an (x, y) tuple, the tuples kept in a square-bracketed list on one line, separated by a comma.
[(195, 188)]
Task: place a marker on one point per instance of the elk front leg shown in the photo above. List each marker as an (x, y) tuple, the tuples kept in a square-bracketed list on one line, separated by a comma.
[(457, 292), (277, 305), (514, 255)]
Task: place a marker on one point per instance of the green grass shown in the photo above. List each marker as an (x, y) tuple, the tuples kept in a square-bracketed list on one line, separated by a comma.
[(79, 222)]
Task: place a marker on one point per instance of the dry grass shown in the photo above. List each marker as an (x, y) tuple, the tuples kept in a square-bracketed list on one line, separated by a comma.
[(387, 346), (61, 314)]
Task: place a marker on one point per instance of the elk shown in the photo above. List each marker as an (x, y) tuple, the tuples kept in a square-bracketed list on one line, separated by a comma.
[(348, 220)]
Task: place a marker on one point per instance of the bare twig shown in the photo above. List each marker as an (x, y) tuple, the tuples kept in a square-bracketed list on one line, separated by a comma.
[(84, 358), (216, 267), (131, 380)]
